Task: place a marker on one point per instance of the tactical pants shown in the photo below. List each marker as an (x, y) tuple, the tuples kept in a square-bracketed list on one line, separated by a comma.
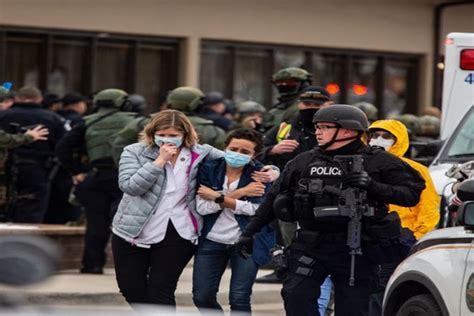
[(60, 210), (311, 260), (98, 194), (31, 201)]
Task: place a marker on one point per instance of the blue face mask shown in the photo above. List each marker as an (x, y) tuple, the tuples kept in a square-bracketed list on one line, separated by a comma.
[(177, 141), (235, 159)]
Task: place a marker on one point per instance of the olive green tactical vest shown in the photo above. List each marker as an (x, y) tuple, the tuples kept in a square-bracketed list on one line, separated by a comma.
[(99, 135)]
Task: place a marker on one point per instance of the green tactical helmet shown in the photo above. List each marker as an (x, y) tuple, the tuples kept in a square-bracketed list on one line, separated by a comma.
[(250, 107), (185, 99), (412, 123), (429, 125), (292, 73), (345, 116), (110, 98), (291, 81), (369, 109)]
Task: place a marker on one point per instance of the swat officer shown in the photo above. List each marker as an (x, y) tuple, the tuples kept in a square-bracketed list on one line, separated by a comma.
[(189, 100), (289, 82), (315, 181), (98, 189)]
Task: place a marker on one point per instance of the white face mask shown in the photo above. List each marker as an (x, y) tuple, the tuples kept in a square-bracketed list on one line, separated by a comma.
[(382, 142)]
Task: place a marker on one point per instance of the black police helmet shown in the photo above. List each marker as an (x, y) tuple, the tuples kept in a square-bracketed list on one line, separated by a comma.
[(466, 190), (345, 116)]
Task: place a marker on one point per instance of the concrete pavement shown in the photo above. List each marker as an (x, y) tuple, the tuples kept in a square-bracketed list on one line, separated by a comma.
[(71, 288)]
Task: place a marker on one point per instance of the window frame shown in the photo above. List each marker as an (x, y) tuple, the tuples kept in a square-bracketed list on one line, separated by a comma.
[(48, 37), (413, 86)]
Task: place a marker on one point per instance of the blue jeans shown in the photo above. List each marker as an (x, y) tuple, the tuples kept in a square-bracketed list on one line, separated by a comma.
[(210, 263), (325, 296)]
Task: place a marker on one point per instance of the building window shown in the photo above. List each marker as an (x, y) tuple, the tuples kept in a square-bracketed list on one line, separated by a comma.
[(243, 71), (69, 60), (63, 61), (23, 60)]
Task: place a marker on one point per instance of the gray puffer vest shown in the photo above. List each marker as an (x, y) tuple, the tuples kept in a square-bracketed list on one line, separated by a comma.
[(143, 184)]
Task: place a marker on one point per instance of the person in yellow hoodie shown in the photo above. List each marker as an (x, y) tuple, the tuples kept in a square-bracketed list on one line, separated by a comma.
[(392, 135)]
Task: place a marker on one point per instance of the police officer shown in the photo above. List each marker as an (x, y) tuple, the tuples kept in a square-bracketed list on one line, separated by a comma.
[(31, 163), (97, 190), (60, 211), (315, 181), (289, 82)]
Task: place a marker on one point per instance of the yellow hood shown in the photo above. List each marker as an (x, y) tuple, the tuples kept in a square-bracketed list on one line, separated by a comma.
[(397, 129)]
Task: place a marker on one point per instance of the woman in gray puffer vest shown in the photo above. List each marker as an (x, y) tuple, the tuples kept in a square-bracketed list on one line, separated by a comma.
[(156, 226)]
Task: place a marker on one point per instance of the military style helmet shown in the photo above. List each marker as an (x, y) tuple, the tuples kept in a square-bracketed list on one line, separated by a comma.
[(250, 107), (369, 109), (137, 103), (110, 98), (345, 116), (412, 122), (290, 81), (185, 99), (429, 125)]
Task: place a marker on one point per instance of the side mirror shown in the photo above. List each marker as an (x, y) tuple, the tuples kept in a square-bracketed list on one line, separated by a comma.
[(466, 215)]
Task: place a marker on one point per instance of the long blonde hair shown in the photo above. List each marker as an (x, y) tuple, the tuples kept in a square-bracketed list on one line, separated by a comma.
[(170, 119)]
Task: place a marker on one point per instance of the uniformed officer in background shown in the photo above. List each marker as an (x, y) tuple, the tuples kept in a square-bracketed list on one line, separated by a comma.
[(97, 183), (289, 83), (320, 184)]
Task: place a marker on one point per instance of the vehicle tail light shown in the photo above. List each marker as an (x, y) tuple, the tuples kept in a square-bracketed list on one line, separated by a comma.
[(467, 59)]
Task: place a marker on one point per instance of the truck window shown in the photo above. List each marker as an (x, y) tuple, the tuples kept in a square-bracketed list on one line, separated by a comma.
[(461, 145)]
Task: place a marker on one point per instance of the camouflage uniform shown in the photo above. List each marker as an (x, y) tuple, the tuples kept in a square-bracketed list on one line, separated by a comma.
[(8, 141)]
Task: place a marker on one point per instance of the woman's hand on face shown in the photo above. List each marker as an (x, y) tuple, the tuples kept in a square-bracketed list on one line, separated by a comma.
[(265, 175), (255, 189), (167, 152), (207, 193)]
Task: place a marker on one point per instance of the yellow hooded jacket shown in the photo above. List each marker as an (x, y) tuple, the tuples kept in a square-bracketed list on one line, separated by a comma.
[(424, 216)]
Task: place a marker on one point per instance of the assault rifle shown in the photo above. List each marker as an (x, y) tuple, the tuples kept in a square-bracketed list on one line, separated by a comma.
[(352, 203)]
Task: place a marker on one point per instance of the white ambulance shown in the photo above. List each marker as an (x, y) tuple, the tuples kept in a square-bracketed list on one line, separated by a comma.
[(457, 121)]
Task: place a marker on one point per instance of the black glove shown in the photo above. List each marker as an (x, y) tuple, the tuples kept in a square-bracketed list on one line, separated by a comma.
[(244, 246), (360, 180)]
